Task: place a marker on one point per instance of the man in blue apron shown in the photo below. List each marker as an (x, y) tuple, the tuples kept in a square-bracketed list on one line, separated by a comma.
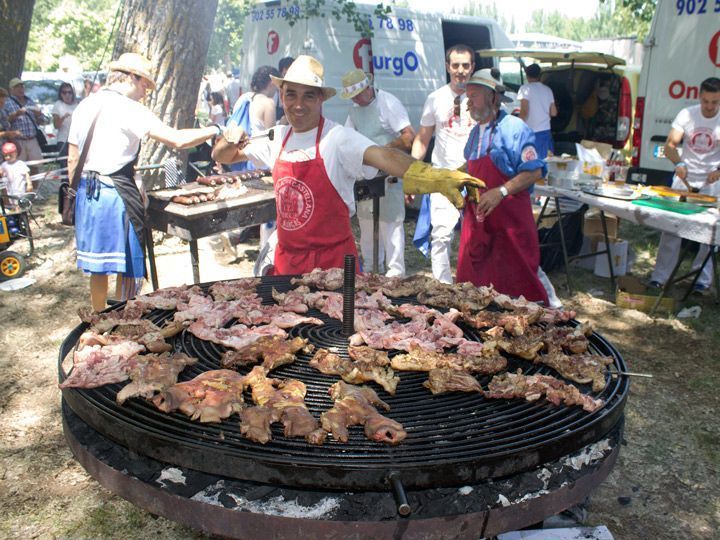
[(383, 119)]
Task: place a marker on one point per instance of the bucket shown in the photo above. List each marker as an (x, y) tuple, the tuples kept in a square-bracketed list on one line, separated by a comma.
[(619, 256)]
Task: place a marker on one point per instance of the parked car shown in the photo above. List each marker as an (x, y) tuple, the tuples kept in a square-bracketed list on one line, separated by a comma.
[(593, 92)]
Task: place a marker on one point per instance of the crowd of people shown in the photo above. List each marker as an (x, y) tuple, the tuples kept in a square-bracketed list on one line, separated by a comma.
[(483, 165)]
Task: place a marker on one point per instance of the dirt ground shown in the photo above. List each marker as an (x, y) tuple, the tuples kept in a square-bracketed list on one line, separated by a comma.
[(665, 485)]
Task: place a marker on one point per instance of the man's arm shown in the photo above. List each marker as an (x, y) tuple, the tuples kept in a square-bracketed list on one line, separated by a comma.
[(181, 138), (493, 197), (524, 109), (674, 139), (421, 142), (553, 110), (405, 141), (72, 161), (390, 160), (228, 147)]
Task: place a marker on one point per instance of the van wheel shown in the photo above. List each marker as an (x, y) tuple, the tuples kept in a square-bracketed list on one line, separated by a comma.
[(12, 265)]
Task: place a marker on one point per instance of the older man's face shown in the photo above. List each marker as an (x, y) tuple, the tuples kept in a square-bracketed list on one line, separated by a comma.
[(365, 97), (18, 90), (480, 103), (303, 105)]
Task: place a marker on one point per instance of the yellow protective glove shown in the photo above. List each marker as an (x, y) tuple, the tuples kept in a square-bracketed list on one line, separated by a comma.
[(423, 178)]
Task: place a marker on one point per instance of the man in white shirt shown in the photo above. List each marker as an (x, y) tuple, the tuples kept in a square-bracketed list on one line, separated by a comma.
[(444, 115), (315, 164), (697, 129), (537, 106), (383, 119)]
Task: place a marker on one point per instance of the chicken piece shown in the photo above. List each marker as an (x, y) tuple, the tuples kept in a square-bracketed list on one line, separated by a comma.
[(451, 380), (325, 280), (255, 423), (232, 290), (526, 346), (210, 397), (274, 351), (420, 360), (371, 365), (154, 373), (580, 368), (97, 365), (293, 300)]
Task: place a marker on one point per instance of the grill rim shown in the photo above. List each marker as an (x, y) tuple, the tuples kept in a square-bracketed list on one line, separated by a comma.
[(351, 466)]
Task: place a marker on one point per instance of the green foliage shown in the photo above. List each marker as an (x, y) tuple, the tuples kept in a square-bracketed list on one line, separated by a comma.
[(339, 9), (79, 28), (228, 33)]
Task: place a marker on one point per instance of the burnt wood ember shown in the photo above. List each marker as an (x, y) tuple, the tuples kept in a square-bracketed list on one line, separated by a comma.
[(453, 438)]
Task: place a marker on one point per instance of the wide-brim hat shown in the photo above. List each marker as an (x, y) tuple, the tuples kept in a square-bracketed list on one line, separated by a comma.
[(14, 82), (134, 63), (483, 77), (354, 82), (308, 71)]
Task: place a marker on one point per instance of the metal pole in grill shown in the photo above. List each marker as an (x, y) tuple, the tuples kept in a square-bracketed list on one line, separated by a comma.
[(348, 325), (403, 507)]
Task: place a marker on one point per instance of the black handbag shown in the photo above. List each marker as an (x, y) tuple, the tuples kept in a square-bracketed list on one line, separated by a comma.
[(68, 191), (41, 138)]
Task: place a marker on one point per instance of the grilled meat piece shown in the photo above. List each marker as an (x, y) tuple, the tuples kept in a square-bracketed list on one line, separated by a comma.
[(419, 359), (167, 298), (276, 315), (106, 321), (513, 324), (569, 339), (465, 297), (210, 397), (97, 365), (451, 380), (153, 373), (235, 289), (255, 423), (235, 337), (293, 300), (533, 387), (526, 346), (580, 368), (324, 280), (273, 351), (368, 365)]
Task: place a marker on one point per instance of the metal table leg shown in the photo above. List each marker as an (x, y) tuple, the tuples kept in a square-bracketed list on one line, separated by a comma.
[(562, 243), (151, 258), (376, 233), (608, 251), (195, 261)]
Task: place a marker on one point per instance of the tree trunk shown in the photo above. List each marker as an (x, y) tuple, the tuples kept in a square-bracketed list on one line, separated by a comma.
[(174, 35), (15, 17)]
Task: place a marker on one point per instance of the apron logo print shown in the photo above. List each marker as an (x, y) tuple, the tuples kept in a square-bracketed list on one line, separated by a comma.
[(529, 154), (295, 203)]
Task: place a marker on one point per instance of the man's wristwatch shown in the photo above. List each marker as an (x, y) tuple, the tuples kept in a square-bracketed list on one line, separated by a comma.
[(504, 191)]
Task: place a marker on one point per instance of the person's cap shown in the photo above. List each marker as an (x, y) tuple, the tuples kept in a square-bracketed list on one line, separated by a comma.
[(14, 82), (9, 148), (354, 82), (483, 77), (134, 63), (308, 71)]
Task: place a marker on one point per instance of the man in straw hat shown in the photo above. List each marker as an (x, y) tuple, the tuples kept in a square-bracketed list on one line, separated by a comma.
[(383, 119), (499, 240), (315, 164), (109, 211), (445, 116)]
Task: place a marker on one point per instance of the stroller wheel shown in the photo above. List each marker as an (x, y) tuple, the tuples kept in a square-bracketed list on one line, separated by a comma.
[(12, 265)]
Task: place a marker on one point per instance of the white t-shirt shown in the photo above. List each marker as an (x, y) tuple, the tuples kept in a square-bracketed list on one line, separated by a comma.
[(217, 114), (15, 177), (393, 115), (341, 148), (451, 132), (61, 108), (540, 98), (701, 143), (120, 127)]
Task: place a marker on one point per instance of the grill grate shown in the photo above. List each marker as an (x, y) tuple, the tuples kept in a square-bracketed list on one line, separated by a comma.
[(452, 438)]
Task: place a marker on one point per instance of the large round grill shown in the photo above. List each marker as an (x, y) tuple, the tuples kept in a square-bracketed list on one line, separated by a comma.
[(453, 439)]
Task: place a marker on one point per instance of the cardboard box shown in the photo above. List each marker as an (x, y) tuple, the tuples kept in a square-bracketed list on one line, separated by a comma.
[(593, 224), (633, 294)]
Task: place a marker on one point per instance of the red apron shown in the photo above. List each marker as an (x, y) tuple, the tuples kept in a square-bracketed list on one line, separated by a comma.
[(503, 249), (313, 222)]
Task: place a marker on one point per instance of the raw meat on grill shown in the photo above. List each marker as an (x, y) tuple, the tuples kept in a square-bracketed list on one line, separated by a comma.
[(419, 359), (512, 323), (210, 397), (153, 373), (276, 315), (293, 300), (354, 406), (235, 337), (106, 321), (533, 387), (273, 351), (232, 290), (367, 365), (218, 313), (166, 299), (580, 368), (443, 380), (393, 287), (462, 296), (521, 306), (278, 401), (97, 365), (325, 280)]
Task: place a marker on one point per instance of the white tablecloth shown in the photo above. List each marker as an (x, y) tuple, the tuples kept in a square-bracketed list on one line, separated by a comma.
[(703, 227)]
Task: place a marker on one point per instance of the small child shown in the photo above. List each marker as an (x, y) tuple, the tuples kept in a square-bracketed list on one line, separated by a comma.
[(16, 173)]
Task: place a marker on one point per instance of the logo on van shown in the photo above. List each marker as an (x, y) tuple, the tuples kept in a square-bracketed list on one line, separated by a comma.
[(371, 63), (714, 49), (273, 42)]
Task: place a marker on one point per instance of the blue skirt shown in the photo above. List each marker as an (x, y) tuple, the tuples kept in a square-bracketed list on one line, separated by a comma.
[(106, 240)]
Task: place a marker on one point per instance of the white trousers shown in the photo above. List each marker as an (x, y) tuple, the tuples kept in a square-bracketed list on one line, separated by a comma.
[(391, 247), (443, 218), (667, 257)]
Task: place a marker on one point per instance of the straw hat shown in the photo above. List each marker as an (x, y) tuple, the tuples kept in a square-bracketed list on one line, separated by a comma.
[(134, 63), (354, 82), (308, 71), (14, 82)]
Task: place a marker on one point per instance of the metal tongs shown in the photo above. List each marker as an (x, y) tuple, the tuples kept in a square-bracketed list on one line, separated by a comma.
[(270, 134)]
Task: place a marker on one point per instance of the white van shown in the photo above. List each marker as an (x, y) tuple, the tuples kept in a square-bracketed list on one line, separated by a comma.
[(682, 50), (406, 53)]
